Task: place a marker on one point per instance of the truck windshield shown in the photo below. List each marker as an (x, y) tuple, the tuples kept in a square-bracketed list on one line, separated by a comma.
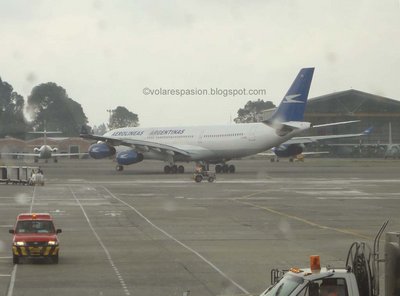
[(285, 286), (36, 226)]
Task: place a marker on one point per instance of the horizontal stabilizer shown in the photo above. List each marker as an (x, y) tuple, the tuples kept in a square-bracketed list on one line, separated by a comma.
[(284, 128), (335, 123)]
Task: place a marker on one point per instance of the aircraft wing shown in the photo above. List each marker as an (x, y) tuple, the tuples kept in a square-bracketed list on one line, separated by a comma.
[(311, 139), (304, 153), (38, 155), (334, 123), (139, 145), (67, 154), (21, 154)]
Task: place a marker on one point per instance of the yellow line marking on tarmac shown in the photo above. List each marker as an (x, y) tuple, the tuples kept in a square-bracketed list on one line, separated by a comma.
[(253, 194), (344, 231)]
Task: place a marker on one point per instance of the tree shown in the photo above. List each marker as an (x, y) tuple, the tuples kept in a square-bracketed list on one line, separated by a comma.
[(12, 120), (100, 129), (121, 117), (252, 111), (53, 110)]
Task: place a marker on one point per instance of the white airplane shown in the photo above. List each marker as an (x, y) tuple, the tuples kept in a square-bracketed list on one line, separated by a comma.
[(214, 144), (45, 151)]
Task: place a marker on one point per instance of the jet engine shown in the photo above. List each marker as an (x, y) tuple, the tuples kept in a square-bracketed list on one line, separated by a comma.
[(54, 150), (101, 150), (129, 157), (37, 150), (289, 150)]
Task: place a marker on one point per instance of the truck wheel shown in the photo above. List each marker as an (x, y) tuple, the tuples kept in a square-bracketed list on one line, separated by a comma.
[(198, 178), (15, 259)]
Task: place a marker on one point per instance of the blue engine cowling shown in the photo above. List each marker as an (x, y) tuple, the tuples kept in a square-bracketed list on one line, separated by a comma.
[(129, 157), (101, 150), (288, 150)]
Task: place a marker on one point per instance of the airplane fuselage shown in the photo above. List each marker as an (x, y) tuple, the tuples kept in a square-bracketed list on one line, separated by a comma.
[(45, 152), (210, 143)]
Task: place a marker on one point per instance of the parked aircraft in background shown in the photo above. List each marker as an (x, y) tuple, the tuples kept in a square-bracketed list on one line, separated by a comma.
[(387, 150), (215, 144), (295, 146), (45, 151)]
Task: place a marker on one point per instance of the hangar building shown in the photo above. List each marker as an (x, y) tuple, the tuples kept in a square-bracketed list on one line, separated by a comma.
[(372, 111), (378, 112)]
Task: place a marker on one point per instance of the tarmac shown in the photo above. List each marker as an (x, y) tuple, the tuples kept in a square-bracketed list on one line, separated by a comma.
[(141, 232)]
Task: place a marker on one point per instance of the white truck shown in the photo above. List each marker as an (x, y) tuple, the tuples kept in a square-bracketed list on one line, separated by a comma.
[(360, 277)]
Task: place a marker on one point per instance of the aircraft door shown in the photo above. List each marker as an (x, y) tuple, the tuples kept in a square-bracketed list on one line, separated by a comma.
[(200, 139), (251, 135)]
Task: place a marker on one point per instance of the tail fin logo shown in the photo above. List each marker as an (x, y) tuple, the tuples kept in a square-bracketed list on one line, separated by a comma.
[(367, 131), (294, 102), (290, 99)]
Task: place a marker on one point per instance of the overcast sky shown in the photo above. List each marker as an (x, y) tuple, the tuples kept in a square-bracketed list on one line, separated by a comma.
[(105, 52)]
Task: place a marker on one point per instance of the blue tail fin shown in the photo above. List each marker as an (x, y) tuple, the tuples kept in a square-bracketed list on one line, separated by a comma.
[(294, 103), (368, 131)]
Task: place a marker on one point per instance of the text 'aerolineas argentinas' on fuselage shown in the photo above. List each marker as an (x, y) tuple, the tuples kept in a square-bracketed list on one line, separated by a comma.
[(152, 133)]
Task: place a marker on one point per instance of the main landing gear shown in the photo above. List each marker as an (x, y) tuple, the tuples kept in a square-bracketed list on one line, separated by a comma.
[(224, 168), (174, 169)]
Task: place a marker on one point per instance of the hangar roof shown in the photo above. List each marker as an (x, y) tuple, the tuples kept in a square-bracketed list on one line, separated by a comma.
[(353, 102)]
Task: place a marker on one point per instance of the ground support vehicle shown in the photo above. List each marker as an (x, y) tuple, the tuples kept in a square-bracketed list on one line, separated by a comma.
[(36, 179), (34, 236), (360, 277), (204, 175), (19, 175)]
